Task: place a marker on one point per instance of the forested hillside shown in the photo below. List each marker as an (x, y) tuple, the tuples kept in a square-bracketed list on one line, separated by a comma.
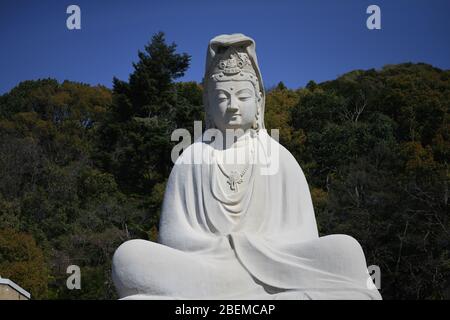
[(79, 173)]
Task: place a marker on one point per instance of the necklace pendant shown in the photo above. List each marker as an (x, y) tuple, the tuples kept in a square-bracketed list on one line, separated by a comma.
[(234, 179)]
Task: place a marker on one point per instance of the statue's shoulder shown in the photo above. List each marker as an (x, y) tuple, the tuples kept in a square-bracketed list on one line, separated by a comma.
[(283, 160), (276, 149), (189, 157)]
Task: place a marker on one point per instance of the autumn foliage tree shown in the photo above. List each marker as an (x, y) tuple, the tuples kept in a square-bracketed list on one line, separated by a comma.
[(22, 261)]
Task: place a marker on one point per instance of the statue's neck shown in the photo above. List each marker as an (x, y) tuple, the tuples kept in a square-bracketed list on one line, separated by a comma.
[(239, 140)]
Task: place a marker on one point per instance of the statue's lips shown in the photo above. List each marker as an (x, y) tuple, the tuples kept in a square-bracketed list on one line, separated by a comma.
[(235, 118)]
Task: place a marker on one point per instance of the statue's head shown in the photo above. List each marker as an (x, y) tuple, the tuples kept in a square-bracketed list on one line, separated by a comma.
[(233, 88)]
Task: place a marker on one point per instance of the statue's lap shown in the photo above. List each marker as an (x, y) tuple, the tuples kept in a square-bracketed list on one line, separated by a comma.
[(146, 268)]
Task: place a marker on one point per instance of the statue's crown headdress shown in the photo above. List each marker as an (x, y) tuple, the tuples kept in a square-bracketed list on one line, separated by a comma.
[(233, 64)]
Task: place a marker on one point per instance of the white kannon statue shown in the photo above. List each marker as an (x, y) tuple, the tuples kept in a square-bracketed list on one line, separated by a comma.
[(239, 229)]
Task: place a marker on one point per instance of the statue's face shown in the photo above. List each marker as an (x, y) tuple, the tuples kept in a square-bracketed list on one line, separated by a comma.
[(233, 104)]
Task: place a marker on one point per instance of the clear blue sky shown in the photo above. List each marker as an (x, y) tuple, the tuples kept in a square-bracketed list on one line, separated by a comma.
[(297, 41)]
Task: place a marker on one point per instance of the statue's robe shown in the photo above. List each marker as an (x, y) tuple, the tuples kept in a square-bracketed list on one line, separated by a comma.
[(260, 243)]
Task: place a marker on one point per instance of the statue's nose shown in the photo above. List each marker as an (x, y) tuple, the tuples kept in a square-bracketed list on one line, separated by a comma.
[(233, 105)]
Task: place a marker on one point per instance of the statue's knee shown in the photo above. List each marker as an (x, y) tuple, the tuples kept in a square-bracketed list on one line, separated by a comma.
[(351, 252), (346, 249), (127, 253), (132, 262), (344, 242)]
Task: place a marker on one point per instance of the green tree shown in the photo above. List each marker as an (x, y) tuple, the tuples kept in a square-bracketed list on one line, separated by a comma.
[(145, 111)]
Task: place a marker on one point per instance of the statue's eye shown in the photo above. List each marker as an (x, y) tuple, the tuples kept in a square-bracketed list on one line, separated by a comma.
[(245, 97), (222, 97)]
